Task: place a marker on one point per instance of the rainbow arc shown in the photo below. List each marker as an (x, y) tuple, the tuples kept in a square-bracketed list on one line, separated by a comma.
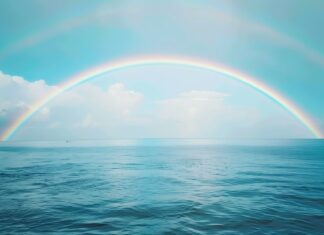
[(86, 75)]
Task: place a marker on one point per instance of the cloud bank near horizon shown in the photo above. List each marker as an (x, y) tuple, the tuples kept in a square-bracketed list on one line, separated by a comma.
[(91, 111)]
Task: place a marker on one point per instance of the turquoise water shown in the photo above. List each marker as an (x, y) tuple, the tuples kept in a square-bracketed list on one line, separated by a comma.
[(162, 187)]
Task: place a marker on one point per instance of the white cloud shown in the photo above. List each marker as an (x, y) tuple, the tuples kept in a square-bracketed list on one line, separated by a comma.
[(16, 95), (93, 112), (193, 113), (16, 89)]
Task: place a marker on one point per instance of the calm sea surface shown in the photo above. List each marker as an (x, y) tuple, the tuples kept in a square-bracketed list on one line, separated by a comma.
[(162, 187)]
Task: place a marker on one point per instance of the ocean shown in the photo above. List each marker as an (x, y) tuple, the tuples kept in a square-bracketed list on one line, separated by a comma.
[(162, 187)]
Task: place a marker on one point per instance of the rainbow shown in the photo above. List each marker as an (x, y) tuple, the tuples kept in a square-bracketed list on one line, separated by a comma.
[(162, 60), (61, 27)]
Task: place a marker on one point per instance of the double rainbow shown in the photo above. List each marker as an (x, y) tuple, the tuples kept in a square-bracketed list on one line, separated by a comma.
[(162, 60)]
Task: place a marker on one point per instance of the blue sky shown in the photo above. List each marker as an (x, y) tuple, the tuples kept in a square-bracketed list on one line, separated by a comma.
[(279, 43)]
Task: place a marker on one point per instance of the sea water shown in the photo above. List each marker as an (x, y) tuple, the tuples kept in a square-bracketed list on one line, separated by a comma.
[(162, 187)]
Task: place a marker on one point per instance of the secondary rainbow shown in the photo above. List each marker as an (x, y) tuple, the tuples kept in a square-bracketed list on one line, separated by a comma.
[(68, 25), (163, 60)]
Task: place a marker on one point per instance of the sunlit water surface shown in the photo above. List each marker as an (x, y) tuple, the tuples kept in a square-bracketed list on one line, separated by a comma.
[(162, 187)]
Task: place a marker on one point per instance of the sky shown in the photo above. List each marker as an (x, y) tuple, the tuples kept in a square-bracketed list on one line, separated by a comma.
[(44, 43)]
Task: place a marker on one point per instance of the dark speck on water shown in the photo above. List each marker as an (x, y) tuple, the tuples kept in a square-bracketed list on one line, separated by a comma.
[(162, 187)]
